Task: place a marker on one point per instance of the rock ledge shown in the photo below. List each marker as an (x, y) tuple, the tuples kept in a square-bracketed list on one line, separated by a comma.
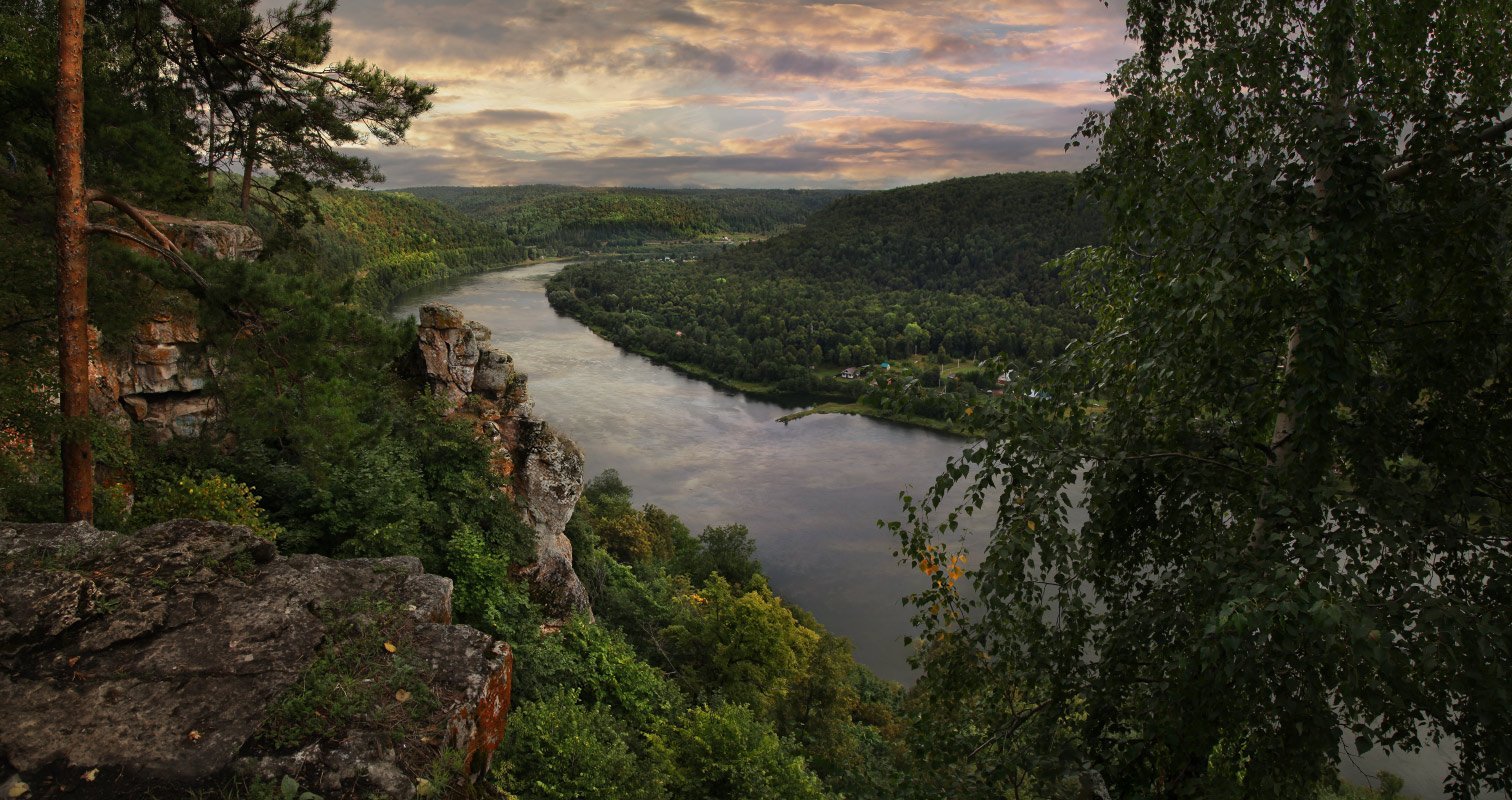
[(155, 659)]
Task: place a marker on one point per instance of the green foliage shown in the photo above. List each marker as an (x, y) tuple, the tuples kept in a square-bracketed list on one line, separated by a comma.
[(209, 496), (726, 550), (599, 664), (1295, 492), (484, 595), (557, 748), (673, 615), (387, 242), (726, 753), (744, 647)]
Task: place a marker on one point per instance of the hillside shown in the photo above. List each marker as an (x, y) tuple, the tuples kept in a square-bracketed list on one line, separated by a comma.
[(954, 270), (386, 242), (575, 216)]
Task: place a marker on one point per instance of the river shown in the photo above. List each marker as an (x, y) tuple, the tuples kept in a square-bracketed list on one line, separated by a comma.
[(810, 491)]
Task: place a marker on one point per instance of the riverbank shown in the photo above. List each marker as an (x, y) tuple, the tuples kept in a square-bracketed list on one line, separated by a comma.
[(863, 410)]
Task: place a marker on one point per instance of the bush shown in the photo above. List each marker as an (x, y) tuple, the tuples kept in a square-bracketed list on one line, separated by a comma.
[(557, 748), (726, 753), (602, 667), (211, 497)]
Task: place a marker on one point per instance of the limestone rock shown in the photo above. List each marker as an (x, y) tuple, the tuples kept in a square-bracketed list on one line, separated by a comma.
[(545, 468), (226, 241), (447, 351), (494, 375), (155, 657), (160, 382)]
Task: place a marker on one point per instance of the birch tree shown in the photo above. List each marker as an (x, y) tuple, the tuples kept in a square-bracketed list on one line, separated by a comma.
[(1288, 435)]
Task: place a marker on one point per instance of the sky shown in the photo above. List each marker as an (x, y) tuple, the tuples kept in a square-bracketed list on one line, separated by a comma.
[(709, 93)]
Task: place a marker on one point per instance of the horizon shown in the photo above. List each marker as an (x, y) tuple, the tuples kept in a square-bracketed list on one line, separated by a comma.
[(632, 187), (714, 94)]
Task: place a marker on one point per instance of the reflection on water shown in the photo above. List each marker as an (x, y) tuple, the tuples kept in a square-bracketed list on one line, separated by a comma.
[(811, 492)]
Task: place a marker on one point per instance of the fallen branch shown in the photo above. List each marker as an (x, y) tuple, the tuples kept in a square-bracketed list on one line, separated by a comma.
[(137, 216)]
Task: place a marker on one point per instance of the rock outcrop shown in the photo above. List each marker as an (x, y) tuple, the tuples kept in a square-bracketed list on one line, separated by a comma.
[(545, 468), (162, 658), (158, 380), (219, 240)]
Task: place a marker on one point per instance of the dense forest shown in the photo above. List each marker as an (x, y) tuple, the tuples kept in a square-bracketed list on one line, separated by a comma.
[(955, 270), (387, 242), (563, 218)]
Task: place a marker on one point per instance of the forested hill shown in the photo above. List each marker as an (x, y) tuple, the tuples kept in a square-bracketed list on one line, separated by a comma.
[(952, 269), (988, 235), (386, 242), (576, 216)]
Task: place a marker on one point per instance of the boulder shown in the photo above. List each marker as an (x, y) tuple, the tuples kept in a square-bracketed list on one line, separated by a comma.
[(159, 659)]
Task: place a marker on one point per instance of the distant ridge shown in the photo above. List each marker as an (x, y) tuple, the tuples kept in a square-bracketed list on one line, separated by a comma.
[(578, 216)]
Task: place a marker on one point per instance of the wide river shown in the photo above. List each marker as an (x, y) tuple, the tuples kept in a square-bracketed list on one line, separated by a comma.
[(811, 491)]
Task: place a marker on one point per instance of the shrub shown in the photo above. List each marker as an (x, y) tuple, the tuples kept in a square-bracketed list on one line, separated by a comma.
[(602, 667), (726, 753), (211, 497), (559, 749)]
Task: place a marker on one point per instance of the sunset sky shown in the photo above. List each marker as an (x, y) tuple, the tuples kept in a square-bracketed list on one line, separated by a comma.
[(771, 93)]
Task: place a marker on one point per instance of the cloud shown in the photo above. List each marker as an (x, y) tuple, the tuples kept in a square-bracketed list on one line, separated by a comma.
[(863, 152), (504, 117), (727, 92), (793, 62)]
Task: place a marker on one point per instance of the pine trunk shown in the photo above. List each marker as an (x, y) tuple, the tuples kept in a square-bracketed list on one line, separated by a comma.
[(249, 160), (73, 266)]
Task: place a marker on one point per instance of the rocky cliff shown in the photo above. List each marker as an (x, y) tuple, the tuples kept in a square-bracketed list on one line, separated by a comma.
[(190, 651), (545, 469), (158, 379)]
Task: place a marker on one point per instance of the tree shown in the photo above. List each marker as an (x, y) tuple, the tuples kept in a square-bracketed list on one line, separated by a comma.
[(1295, 493), (287, 109), (236, 61), (73, 263)]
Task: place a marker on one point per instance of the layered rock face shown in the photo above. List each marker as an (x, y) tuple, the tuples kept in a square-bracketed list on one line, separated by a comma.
[(159, 382), (223, 240), (544, 467), (160, 379), (153, 659)]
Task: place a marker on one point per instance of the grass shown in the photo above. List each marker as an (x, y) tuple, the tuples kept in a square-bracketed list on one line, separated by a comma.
[(355, 681)]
